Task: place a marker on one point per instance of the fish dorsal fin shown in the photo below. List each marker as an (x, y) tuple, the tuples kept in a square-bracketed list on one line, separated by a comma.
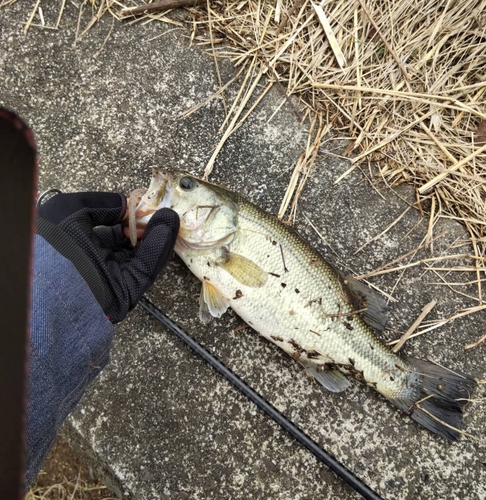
[(363, 297), (242, 269), (211, 303), (332, 380)]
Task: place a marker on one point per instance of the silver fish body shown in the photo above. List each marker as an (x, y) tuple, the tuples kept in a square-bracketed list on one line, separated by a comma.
[(302, 306), (248, 260)]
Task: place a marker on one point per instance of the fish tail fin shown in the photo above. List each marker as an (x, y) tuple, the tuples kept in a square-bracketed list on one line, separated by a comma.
[(439, 399)]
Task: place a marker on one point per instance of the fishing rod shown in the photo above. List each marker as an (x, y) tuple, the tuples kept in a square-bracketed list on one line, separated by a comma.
[(296, 432)]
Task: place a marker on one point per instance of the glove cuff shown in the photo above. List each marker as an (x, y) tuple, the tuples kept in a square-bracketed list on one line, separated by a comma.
[(68, 248)]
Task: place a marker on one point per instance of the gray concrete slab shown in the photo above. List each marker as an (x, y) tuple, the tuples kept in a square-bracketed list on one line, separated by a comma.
[(158, 423)]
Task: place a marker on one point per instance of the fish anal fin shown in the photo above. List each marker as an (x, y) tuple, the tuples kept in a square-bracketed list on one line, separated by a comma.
[(242, 269), (332, 380), (211, 302)]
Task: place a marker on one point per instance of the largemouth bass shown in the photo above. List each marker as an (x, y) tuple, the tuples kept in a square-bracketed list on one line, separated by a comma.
[(248, 260)]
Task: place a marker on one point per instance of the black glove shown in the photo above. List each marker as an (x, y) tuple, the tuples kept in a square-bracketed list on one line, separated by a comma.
[(85, 228)]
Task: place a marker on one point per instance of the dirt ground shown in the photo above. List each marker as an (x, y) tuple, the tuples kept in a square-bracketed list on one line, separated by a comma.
[(65, 475)]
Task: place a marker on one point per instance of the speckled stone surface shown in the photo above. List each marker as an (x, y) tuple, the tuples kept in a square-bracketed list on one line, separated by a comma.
[(159, 423)]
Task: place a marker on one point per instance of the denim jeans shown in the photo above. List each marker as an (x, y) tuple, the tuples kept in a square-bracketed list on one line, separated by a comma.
[(69, 344)]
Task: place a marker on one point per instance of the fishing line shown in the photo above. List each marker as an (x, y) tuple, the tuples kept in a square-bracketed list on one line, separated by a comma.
[(307, 442)]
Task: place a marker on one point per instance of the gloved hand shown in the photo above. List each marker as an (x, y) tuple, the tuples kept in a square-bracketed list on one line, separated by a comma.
[(85, 228)]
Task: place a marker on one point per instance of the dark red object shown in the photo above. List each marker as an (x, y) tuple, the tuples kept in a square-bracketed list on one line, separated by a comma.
[(17, 188)]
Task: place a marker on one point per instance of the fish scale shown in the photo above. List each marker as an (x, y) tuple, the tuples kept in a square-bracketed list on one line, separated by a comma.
[(250, 261)]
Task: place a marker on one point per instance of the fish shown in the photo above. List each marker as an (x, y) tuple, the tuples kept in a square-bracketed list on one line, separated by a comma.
[(250, 261)]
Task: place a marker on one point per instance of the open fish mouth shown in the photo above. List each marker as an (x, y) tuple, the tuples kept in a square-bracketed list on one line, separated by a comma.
[(143, 203)]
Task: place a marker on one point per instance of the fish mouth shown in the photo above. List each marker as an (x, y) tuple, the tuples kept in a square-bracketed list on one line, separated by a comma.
[(141, 208)]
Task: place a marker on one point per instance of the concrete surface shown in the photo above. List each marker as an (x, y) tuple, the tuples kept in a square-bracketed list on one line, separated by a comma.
[(158, 423)]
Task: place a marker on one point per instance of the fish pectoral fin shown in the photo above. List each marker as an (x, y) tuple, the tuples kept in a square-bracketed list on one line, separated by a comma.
[(332, 380), (211, 303), (363, 297), (243, 270)]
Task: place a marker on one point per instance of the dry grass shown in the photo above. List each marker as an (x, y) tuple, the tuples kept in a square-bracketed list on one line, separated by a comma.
[(404, 81), (65, 476), (66, 490)]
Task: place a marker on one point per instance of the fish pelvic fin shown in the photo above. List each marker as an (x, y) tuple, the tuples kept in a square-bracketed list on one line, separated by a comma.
[(211, 303), (440, 397)]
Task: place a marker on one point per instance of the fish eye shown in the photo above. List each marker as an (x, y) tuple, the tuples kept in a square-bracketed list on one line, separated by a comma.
[(187, 183)]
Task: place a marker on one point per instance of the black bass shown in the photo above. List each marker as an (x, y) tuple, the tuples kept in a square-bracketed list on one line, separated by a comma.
[(248, 260)]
